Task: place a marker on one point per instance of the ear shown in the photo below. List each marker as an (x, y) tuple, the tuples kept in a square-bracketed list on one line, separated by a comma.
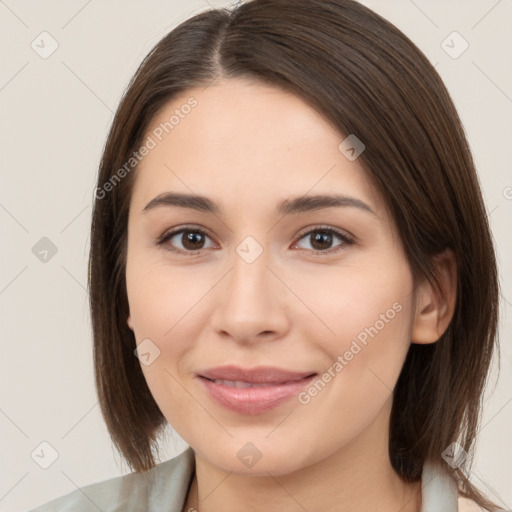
[(129, 322), (435, 306)]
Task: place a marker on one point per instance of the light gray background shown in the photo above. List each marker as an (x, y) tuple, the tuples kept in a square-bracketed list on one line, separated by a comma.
[(55, 113)]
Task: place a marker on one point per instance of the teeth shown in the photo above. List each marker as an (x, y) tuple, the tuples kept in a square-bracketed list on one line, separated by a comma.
[(241, 384)]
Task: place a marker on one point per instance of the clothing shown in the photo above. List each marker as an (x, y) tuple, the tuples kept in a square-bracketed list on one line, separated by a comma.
[(164, 489)]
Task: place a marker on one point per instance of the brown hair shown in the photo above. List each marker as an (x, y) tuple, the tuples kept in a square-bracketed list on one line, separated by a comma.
[(368, 79)]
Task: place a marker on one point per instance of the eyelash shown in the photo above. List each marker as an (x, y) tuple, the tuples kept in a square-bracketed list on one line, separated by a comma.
[(346, 240)]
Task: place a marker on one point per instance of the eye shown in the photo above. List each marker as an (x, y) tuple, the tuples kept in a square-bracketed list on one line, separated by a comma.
[(322, 238), (192, 240), (189, 240)]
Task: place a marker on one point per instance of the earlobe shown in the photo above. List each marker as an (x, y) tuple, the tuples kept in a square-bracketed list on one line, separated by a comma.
[(129, 322), (435, 306)]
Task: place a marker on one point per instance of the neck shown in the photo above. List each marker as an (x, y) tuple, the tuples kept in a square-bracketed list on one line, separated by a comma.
[(358, 476)]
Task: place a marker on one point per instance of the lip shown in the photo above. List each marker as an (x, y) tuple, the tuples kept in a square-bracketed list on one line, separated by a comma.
[(274, 387)]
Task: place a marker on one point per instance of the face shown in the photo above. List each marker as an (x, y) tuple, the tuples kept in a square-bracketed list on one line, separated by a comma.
[(268, 327)]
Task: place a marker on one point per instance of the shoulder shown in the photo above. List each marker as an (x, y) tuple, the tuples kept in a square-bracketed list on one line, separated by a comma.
[(467, 505), (149, 490), (440, 492)]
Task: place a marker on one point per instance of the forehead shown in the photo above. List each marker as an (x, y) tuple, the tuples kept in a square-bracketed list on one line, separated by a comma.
[(242, 139)]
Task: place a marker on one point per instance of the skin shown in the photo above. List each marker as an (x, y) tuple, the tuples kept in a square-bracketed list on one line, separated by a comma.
[(247, 146)]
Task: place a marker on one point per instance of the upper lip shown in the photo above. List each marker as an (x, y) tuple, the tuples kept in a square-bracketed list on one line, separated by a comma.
[(259, 375)]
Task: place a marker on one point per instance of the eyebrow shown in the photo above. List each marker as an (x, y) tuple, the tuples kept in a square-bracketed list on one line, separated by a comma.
[(290, 206)]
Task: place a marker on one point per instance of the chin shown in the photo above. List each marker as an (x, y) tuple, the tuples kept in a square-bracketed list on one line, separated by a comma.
[(257, 458)]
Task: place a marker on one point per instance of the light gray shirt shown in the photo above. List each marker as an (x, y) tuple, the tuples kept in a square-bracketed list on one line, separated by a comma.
[(164, 489)]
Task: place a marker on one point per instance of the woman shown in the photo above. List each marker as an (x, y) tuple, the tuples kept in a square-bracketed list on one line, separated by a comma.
[(291, 265)]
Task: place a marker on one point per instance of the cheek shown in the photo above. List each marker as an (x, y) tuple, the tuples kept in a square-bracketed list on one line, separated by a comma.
[(168, 315), (363, 363), (367, 321), (162, 298), (358, 302)]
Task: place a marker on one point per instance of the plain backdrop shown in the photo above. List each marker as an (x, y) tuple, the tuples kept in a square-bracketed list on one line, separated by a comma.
[(55, 113)]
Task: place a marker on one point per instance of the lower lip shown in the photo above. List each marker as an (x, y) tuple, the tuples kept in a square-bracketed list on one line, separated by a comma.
[(256, 400)]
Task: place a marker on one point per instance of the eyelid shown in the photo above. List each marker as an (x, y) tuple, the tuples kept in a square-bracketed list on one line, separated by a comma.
[(326, 227)]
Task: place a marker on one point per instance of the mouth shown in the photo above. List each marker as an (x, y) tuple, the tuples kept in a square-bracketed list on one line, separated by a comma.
[(241, 384), (252, 391)]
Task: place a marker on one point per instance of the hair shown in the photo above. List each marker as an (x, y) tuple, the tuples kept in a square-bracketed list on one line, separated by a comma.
[(367, 78)]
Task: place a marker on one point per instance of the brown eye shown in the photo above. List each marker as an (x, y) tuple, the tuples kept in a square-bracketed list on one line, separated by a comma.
[(185, 240), (322, 239), (192, 240)]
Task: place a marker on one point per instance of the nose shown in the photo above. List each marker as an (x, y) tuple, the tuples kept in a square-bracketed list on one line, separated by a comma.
[(251, 302)]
